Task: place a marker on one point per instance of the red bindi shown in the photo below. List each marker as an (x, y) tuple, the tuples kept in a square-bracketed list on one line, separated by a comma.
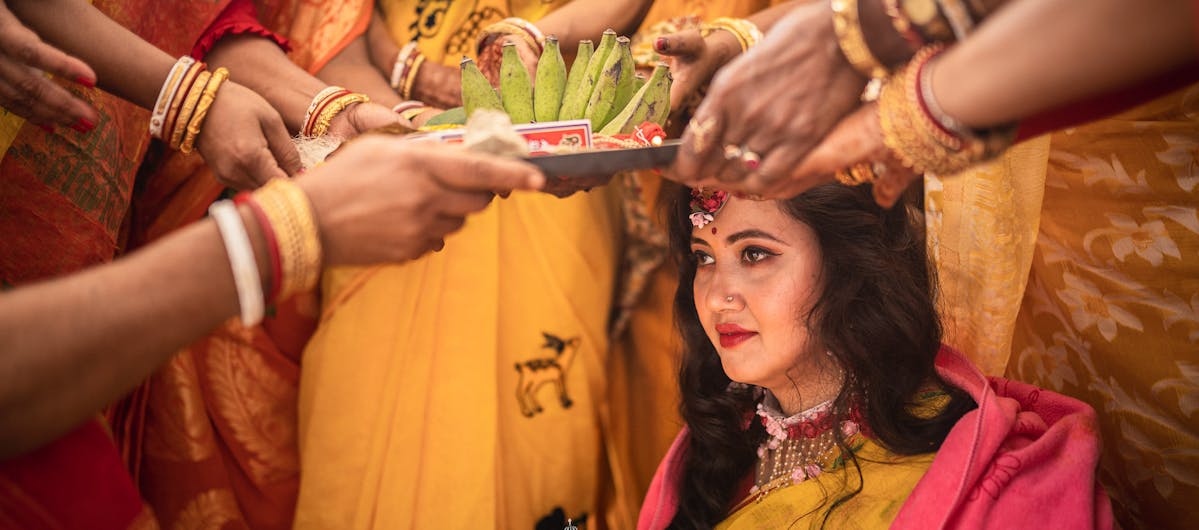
[(713, 230)]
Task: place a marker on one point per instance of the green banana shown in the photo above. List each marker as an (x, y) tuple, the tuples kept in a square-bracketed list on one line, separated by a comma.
[(639, 81), (600, 57), (650, 103), (476, 90), (573, 100), (551, 82), (603, 97), (454, 116), (658, 96), (624, 87), (516, 89)]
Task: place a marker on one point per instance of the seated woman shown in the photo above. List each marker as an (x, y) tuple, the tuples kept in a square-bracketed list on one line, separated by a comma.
[(816, 392)]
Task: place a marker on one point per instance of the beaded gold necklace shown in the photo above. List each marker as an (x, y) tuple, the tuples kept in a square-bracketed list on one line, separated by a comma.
[(800, 447)]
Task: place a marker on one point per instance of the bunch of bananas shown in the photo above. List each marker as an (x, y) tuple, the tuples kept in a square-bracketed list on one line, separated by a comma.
[(601, 86)]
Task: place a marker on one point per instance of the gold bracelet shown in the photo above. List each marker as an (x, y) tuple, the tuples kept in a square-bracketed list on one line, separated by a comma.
[(291, 217), (333, 108), (189, 106), (747, 33), (852, 41), (206, 100), (919, 143), (189, 77), (410, 76)]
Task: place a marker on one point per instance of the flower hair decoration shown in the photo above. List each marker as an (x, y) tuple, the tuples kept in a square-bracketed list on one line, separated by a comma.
[(705, 203)]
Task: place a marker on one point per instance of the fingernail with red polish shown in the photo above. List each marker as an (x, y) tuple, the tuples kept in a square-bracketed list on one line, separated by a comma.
[(83, 125), (85, 82), (661, 44)]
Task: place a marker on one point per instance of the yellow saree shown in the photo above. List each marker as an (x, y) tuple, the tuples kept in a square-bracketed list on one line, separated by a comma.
[(463, 389), (1100, 283), (886, 481)]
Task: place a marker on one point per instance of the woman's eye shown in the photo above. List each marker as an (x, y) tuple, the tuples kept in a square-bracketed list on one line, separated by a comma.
[(702, 258), (755, 254)]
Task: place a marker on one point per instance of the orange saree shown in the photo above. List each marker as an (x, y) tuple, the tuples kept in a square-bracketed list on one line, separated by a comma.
[(64, 200), (211, 437)]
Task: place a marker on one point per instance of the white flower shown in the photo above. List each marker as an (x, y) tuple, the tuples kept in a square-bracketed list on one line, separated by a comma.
[(1183, 157), (1150, 240), (699, 219), (1089, 307)]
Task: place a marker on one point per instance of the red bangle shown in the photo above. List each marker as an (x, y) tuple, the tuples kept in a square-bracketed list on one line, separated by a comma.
[(272, 244)]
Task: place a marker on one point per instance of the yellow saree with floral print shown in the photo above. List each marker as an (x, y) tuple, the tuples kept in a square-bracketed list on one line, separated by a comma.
[(1099, 282)]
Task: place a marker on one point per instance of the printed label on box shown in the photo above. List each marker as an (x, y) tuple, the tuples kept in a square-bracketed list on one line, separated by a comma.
[(544, 138)]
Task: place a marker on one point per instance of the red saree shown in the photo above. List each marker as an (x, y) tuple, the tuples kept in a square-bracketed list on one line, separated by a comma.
[(211, 436), (64, 200)]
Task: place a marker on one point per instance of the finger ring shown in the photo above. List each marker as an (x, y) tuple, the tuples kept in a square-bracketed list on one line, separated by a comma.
[(751, 159), (699, 133), (732, 152)]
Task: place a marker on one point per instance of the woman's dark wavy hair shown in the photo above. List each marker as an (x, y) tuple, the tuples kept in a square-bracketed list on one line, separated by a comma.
[(875, 314)]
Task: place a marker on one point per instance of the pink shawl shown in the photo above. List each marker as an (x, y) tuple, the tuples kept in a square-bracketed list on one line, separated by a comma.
[(1025, 458)]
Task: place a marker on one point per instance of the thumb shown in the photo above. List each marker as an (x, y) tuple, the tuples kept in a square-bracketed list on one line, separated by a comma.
[(683, 44), (279, 143)]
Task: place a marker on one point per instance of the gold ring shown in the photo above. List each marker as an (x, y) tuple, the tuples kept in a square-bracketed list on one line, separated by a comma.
[(732, 152), (699, 134)]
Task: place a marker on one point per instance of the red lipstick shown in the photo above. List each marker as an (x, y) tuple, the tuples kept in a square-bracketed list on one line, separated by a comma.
[(731, 334)]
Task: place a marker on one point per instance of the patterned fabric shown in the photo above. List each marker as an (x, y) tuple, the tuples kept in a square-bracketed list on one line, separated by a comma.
[(1110, 314), (999, 466), (63, 201), (211, 438), (448, 30)]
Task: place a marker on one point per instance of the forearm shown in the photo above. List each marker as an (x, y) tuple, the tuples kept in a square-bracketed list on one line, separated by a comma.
[(125, 65), (587, 19), (72, 345), (353, 68), (260, 65), (1036, 55)]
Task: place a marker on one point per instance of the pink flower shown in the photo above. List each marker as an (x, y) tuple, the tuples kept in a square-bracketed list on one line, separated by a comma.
[(849, 428), (812, 470), (798, 475)]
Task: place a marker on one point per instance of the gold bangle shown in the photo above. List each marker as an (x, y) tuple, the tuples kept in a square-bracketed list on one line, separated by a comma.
[(747, 33), (519, 27), (919, 143), (189, 77), (410, 76), (852, 41), (333, 108), (189, 106), (206, 100), (291, 217)]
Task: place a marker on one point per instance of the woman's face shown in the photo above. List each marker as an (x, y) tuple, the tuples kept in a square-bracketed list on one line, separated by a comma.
[(757, 276)]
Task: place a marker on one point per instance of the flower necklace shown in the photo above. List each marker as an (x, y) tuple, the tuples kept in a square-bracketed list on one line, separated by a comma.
[(799, 447)]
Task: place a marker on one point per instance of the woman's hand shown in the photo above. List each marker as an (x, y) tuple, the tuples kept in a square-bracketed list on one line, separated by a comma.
[(493, 54), (244, 140), (381, 199), (25, 90), (362, 117), (693, 61), (438, 85), (768, 108)]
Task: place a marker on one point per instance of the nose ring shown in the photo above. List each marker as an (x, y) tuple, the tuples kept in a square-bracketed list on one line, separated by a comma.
[(728, 299)]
